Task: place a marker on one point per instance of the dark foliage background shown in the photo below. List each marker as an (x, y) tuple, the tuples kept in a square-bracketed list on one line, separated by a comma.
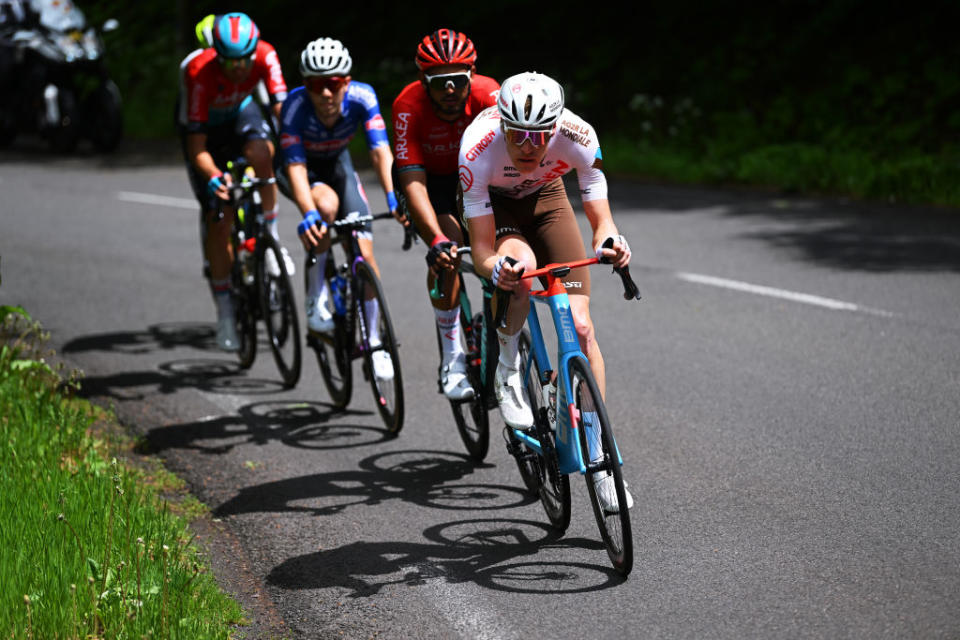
[(709, 81)]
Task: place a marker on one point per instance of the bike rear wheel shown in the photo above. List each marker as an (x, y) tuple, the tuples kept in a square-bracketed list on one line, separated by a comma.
[(614, 526), (335, 352), (473, 423), (279, 310), (387, 393)]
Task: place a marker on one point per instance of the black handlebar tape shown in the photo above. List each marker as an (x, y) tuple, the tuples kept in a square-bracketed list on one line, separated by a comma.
[(630, 289), (503, 301)]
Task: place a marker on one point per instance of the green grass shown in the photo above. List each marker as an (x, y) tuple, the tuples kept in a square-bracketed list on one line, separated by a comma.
[(87, 546), (915, 177)]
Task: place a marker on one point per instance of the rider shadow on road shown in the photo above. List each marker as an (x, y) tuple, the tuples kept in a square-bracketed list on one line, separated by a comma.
[(207, 374), (303, 425), (417, 477), (518, 556)]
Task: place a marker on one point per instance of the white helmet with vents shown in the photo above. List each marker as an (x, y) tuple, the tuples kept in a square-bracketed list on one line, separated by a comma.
[(530, 101), (325, 57)]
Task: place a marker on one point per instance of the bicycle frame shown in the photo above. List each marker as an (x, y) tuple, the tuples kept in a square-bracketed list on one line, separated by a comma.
[(568, 347), (347, 233)]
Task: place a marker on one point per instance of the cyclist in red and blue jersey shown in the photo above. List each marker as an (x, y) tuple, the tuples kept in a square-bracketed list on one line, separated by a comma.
[(317, 122), (219, 121), (429, 117)]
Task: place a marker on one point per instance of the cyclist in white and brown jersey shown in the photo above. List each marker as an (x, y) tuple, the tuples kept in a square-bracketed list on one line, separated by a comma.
[(512, 159)]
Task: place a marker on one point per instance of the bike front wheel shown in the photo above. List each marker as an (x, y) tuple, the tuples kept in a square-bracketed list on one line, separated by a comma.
[(529, 463), (603, 466), (246, 317), (387, 391), (279, 310)]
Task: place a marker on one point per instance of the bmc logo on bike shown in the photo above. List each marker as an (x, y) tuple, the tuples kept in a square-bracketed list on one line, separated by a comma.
[(566, 325), (466, 177)]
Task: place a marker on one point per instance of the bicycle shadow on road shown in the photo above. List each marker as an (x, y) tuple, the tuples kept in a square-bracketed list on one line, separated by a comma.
[(301, 424), (486, 552), (424, 478)]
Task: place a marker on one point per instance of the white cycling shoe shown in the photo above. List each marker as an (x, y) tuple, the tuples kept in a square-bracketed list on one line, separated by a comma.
[(319, 318), (607, 492), (273, 268), (512, 397), (227, 338), (382, 365), (454, 381)]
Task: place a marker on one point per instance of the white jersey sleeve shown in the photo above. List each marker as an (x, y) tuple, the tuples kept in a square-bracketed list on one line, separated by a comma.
[(583, 148), (481, 148)]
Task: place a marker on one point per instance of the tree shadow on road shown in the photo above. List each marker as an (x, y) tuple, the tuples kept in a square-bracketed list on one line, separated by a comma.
[(844, 234), (306, 425), (503, 554)]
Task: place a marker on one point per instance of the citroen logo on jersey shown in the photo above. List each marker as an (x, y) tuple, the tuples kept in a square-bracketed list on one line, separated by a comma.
[(466, 177)]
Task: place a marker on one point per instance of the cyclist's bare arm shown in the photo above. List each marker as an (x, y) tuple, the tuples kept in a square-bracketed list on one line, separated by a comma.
[(601, 221), (300, 185), (203, 160), (483, 235), (413, 184), (382, 159)]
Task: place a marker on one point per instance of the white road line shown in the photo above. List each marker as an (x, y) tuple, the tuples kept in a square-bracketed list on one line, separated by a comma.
[(163, 201), (773, 292)]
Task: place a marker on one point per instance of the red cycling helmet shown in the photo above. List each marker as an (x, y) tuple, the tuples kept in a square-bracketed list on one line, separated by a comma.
[(445, 46)]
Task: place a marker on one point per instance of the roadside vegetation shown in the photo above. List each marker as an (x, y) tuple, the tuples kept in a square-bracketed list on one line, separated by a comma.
[(847, 97), (91, 546)]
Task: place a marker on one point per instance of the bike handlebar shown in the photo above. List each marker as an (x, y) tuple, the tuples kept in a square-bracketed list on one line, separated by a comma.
[(354, 223)]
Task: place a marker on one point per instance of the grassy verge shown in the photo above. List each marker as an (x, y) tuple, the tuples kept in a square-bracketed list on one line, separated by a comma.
[(89, 548)]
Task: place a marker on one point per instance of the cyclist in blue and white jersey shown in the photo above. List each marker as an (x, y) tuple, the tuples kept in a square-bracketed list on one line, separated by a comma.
[(317, 122)]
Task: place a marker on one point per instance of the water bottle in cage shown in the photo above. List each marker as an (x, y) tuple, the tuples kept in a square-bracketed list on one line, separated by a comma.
[(338, 285)]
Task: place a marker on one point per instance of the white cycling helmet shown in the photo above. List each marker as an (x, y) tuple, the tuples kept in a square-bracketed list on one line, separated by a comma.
[(530, 101), (325, 57)]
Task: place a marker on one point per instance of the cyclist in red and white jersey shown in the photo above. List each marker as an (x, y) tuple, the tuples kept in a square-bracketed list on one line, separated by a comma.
[(429, 118), (512, 160), (219, 120)]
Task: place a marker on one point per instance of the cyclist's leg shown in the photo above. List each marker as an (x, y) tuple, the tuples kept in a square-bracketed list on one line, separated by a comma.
[(353, 201), (317, 299), (216, 238), (556, 238), (258, 149), (442, 193), (508, 381), (199, 188)]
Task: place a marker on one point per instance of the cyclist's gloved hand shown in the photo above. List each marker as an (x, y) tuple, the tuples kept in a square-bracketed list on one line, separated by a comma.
[(307, 228), (614, 250), (216, 186), (506, 273), (439, 251), (394, 205)]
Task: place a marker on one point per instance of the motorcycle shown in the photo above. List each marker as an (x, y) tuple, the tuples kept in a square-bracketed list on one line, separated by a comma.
[(60, 89)]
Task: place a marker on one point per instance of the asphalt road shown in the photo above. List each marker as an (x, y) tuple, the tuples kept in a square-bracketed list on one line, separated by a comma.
[(786, 396)]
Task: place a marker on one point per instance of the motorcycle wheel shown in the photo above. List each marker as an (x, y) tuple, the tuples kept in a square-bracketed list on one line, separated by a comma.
[(63, 138), (104, 117)]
